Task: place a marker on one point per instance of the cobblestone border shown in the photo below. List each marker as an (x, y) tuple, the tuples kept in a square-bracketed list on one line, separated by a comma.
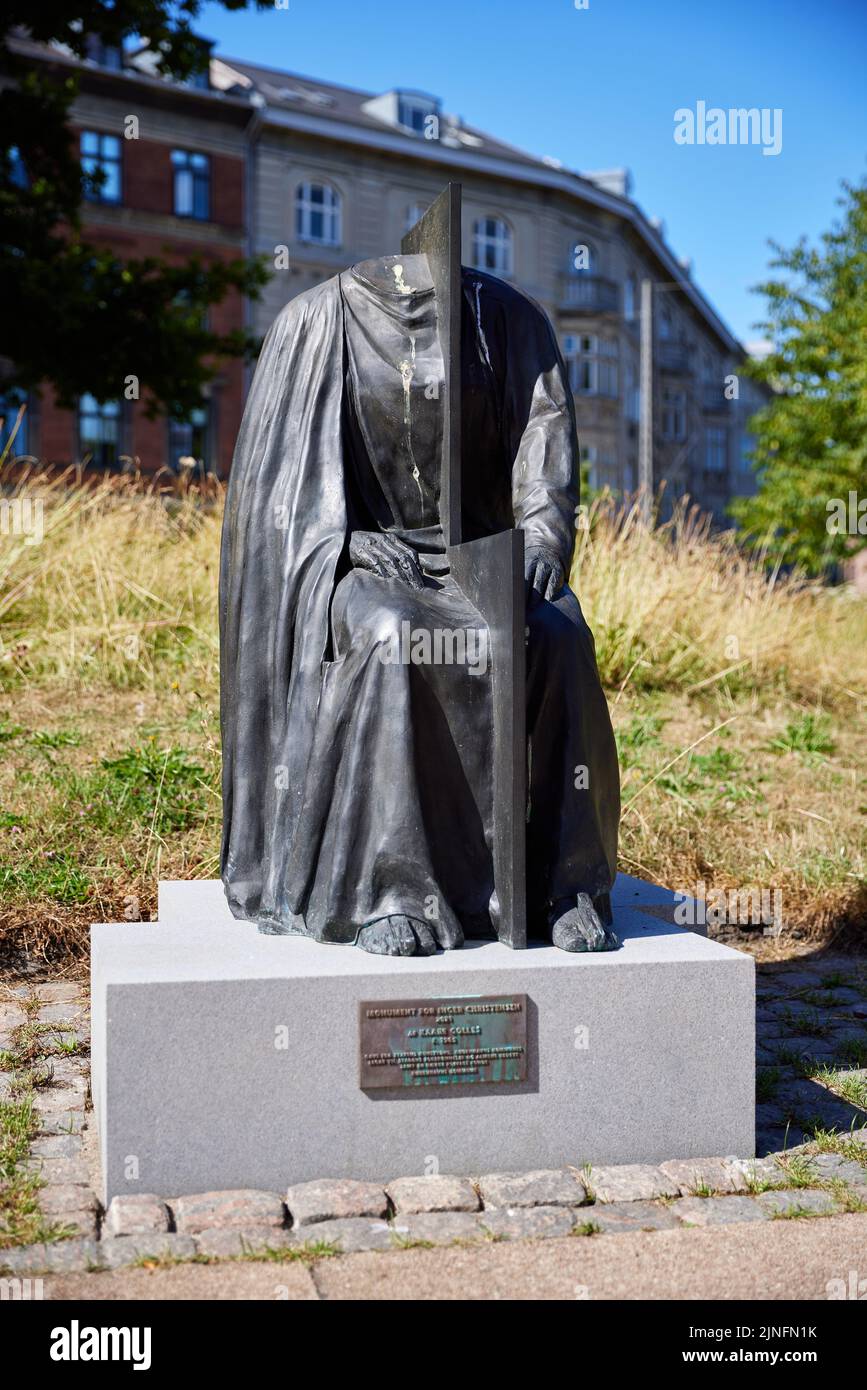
[(317, 1219)]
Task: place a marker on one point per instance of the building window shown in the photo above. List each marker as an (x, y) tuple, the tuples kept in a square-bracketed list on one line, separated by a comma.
[(10, 405), (492, 245), (317, 214), (100, 162), (192, 184), (666, 324), (582, 258), (591, 364), (418, 114), (630, 299), (716, 450), (189, 440), (414, 213), (673, 414), (99, 430)]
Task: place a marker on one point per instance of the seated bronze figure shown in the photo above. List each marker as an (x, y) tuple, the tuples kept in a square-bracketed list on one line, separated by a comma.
[(364, 685)]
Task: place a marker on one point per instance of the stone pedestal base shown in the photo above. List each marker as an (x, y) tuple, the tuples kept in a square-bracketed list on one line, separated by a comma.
[(224, 1058)]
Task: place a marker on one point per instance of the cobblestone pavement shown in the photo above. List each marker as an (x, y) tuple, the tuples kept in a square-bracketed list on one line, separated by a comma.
[(811, 1146)]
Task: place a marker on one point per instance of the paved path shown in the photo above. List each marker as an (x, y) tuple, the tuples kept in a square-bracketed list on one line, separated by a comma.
[(788, 1259)]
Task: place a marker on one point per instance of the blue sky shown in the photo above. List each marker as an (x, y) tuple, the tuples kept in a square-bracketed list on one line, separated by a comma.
[(599, 87)]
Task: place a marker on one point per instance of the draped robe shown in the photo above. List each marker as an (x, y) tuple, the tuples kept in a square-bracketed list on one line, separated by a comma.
[(356, 785)]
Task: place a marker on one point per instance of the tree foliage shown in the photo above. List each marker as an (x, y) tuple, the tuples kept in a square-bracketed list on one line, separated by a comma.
[(75, 314), (811, 439)]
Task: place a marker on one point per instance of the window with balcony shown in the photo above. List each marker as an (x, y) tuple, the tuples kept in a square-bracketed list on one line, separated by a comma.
[(101, 164), (591, 364), (673, 414), (317, 214), (99, 427), (716, 450), (492, 245), (191, 172), (189, 440)]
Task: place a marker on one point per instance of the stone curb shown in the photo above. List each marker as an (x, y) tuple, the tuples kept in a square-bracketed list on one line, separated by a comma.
[(349, 1235)]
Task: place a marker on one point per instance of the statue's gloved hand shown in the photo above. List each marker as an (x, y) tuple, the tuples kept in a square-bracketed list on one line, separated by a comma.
[(544, 572), (386, 556)]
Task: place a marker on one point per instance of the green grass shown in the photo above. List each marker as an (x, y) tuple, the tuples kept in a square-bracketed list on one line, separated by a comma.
[(29, 1063), (809, 736), (850, 1088), (809, 1025), (587, 1228)]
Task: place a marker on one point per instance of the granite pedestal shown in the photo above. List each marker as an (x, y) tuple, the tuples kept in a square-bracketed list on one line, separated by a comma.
[(224, 1058)]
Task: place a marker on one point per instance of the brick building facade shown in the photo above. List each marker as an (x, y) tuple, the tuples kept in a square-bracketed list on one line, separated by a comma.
[(174, 187)]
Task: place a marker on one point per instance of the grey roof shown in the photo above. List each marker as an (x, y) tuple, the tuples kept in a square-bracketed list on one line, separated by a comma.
[(291, 92)]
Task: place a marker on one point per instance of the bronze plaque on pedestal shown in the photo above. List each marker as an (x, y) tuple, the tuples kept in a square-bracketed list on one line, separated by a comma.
[(469, 1040)]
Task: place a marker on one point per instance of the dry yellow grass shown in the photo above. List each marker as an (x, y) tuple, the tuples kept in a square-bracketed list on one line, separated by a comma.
[(739, 705), (121, 586), (674, 608)]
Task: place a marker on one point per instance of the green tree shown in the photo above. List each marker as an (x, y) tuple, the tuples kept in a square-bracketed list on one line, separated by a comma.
[(76, 315), (811, 438)]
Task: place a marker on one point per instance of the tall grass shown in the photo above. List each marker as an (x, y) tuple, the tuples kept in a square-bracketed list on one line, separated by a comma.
[(677, 608), (123, 586)]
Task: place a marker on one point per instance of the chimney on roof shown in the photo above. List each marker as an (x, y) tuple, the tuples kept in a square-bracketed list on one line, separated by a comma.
[(616, 181)]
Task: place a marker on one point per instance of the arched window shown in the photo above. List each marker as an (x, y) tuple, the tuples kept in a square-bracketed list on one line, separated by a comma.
[(317, 214), (582, 258), (492, 245)]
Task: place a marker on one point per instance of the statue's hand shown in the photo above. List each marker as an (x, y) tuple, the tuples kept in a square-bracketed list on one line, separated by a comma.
[(544, 573), (386, 556)]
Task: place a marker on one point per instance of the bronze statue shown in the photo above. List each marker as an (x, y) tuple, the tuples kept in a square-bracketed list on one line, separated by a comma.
[(398, 771)]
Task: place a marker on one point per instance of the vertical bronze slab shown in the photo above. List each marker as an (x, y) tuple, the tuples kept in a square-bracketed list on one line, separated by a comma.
[(437, 235), (490, 571)]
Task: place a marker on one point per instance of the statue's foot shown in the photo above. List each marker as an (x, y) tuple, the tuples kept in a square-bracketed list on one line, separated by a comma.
[(578, 927), (397, 936)]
